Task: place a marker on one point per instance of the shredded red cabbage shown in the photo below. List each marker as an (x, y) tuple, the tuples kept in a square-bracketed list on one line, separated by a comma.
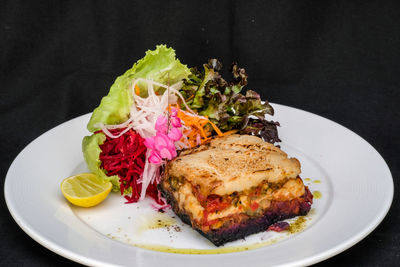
[(125, 156)]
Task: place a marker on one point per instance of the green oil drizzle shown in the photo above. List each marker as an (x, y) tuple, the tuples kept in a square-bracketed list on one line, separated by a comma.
[(154, 221), (317, 194), (317, 181), (298, 225), (161, 222), (222, 250)]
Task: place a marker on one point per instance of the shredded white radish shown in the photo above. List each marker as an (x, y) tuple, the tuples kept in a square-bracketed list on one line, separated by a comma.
[(180, 145), (145, 111), (150, 175), (198, 139), (143, 116)]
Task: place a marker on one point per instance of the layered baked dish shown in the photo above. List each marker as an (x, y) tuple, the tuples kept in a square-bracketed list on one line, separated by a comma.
[(234, 186), (191, 140)]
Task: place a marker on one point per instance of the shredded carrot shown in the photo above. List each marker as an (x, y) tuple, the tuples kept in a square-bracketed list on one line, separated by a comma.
[(192, 96), (198, 127), (137, 90), (230, 132), (218, 131)]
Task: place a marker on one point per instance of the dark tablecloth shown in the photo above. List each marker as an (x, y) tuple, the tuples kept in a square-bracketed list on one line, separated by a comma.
[(338, 59)]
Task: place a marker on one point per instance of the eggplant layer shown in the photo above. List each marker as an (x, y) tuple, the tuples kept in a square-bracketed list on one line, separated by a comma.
[(242, 225)]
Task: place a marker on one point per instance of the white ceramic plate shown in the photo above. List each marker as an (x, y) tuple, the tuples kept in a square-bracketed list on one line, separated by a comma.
[(353, 181)]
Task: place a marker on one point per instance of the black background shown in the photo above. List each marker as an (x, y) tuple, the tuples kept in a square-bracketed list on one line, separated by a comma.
[(338, 59)]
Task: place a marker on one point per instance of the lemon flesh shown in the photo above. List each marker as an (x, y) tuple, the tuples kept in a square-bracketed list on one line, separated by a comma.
[(85, 189)]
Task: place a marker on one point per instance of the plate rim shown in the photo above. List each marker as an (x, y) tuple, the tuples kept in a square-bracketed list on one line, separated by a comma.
[(312, 259)]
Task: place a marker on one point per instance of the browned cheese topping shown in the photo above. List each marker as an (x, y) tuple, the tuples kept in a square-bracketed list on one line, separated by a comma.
[(241, 170)]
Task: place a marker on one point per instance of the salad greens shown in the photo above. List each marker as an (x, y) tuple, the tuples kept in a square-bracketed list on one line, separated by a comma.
[(159, 65), (205, 92), (224, 104)]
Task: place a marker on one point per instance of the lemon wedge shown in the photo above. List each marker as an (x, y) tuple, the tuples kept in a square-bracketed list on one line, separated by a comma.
[(85, 189)]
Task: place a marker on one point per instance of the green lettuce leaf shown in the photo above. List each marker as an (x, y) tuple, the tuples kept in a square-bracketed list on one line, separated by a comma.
[(91, 153), (159, 65)]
